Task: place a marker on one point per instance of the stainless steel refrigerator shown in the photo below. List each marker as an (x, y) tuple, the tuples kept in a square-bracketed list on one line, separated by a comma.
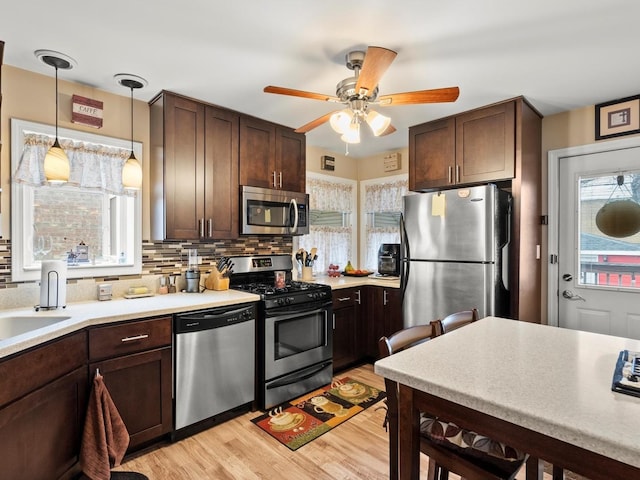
[(455, 249)]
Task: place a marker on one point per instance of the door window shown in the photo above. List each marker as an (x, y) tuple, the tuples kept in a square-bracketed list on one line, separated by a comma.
[(607, 256)]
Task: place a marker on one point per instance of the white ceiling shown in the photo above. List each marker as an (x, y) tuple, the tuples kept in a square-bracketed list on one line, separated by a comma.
[(559, 54)]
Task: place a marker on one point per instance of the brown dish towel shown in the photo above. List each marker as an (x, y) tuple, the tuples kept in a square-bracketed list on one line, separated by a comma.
[(105, 438)]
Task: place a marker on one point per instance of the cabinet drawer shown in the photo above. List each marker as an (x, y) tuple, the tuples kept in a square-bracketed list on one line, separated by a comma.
[(131, 337), (346, 298)]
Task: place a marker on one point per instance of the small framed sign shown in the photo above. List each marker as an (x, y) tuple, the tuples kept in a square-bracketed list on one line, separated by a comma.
[(327, 163), (618, 117), (86, 111)]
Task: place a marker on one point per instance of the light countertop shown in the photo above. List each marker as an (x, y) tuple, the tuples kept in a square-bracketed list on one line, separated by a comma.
[(91, 313), (551, 380), (84, 314)]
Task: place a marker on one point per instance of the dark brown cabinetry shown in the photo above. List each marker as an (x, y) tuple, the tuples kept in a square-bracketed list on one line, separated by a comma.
[(271, 156), (474, 147), (347, 340), (135, 360), (194, 169), (43, 401), (383, 316), (500, 143)]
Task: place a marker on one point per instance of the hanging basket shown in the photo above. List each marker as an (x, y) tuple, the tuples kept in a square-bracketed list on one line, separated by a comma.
[(620, 218)]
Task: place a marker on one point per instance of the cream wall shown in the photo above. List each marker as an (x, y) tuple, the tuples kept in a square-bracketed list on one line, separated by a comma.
[(31, 96)]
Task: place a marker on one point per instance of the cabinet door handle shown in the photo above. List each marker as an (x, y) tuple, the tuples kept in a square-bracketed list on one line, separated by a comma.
[(457, 173), (134, 338), (358, 296), (201, 227), (384, 297), (344, 299), (280, 179), (274, 179), (210, 228), (334, 321), (450, 173)]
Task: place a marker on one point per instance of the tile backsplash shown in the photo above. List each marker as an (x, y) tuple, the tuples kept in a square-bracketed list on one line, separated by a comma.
[(158, 259)]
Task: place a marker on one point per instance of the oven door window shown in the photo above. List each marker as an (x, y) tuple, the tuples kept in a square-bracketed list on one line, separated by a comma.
[(297, 335)]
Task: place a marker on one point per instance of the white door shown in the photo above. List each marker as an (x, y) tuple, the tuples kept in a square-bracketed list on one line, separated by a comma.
[(598, 274)]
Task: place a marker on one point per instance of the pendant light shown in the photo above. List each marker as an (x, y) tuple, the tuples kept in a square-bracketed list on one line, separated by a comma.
[(131, 171), (56, 162)]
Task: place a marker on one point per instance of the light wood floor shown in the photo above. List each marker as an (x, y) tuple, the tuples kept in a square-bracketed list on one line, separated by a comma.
[(238, 449)]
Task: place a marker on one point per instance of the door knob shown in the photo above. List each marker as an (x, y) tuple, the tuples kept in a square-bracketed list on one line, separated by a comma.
[(569, 295)]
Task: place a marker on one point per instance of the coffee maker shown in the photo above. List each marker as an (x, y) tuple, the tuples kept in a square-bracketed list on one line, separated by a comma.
[(389, 260)]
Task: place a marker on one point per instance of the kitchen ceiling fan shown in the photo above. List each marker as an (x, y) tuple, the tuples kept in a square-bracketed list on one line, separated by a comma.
[(360, 91)]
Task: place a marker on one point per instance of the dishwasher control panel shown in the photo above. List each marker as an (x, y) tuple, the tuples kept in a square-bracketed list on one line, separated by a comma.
[(213, 318)]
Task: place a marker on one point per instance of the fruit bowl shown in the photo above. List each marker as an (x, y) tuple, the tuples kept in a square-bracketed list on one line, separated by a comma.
[(357, 273)]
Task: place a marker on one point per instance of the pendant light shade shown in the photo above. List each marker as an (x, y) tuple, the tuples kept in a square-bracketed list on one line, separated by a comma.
[(132, 170), (56, 162)]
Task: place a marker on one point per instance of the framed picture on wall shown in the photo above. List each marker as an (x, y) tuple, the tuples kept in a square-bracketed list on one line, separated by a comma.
[(618, 117)]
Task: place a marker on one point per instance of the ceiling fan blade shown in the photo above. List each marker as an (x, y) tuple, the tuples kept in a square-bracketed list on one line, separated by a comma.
[(376, 62), (436, 95), (390, 129), (314, 123), (300, 93)]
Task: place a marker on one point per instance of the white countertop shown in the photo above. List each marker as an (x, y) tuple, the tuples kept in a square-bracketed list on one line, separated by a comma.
[(84, 314), (551, 380)]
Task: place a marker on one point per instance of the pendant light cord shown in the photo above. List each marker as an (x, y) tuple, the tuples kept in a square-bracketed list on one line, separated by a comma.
[(132, 120), (56, 67)]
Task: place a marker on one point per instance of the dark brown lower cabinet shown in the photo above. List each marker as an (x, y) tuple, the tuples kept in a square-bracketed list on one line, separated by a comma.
[(137, 374), (347, 349), (42, 410), (382, 317), (140, 386)]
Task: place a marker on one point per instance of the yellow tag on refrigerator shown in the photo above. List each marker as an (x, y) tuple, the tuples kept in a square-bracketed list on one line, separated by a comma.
[(437, 204)]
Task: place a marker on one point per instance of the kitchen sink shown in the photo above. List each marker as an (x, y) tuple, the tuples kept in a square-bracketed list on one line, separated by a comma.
[(13, 325)]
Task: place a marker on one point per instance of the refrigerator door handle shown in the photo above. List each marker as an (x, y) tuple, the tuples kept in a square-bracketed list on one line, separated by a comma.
[(505, 249), (405, 257)]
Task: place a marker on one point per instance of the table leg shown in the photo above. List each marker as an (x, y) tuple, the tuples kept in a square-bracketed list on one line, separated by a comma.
[(408, 435), (534, 468)]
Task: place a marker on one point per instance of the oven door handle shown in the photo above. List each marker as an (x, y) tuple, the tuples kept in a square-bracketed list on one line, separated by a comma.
[(294, 378), (286, 315), (294, 204)]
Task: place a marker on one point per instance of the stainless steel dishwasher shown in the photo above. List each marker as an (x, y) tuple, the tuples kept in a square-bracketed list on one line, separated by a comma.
[(214, 362)]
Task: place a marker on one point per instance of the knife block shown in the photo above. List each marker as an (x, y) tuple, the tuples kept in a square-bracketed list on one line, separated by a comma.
[(221, 283)]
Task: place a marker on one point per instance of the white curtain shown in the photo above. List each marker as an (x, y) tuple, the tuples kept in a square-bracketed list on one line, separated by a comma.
[(332, 241), (381, 198), (92, 166)]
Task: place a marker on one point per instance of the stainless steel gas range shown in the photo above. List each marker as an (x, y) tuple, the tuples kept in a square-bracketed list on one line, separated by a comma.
[(294, 331)]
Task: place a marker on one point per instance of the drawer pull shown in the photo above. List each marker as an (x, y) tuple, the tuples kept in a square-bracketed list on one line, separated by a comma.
[(137, 337), (344, 299)]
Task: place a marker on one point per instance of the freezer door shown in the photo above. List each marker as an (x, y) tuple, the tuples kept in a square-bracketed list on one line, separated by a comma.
[(437, 289), (459, 225)]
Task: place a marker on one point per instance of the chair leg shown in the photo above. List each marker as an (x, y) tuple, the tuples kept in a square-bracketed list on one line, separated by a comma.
[(558, 473), (433, 470)]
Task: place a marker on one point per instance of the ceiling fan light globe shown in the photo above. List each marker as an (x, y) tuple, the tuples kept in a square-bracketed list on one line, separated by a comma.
[(352, 135), (378, 123), (132, 174), (56, 165), (340, 121)]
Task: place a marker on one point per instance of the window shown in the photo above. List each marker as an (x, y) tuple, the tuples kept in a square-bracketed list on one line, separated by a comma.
[(381, 201), (607, 261), (90, 222), (331, 230)]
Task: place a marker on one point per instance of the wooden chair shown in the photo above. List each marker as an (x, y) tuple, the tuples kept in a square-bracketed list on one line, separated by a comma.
[(443, 458), (454, 321)]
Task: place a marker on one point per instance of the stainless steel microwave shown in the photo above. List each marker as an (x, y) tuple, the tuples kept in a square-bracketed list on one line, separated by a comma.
[(273, 212)]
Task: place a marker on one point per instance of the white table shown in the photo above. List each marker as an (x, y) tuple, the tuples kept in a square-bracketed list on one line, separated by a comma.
[(541, 389)]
